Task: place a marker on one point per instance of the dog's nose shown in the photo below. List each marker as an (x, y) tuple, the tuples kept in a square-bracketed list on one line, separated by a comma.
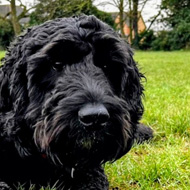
[(93, 115)]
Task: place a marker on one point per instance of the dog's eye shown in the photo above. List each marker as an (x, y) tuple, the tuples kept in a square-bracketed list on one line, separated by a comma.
[(58, 66)]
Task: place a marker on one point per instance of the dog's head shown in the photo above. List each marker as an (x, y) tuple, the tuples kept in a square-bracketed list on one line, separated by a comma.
[(71, 88)]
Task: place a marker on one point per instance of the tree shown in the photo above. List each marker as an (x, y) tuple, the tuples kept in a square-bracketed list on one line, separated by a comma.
[(15, 17), (136, 8), (135, 22), (128, 10), (63, 8), (6, 33), (178, 20)]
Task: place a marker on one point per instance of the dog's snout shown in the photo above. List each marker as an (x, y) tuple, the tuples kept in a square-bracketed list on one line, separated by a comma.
[(93, 115)]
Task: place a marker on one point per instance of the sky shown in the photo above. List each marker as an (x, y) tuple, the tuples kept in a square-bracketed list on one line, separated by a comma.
[(150, 9)]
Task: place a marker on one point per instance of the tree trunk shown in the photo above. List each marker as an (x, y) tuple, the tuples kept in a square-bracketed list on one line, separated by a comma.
[(121, 17), (135, 23), (14, 19), (130, 22)]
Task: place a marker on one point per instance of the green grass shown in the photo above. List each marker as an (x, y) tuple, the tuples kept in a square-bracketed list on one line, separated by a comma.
[(2, 54), (164, 162)]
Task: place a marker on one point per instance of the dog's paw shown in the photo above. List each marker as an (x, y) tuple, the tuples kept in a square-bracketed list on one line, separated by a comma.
[(143, 133)]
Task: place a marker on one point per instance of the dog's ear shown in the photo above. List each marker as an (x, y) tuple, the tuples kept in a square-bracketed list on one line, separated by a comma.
[(132, 88), (5, 99), (13, 73), (11, 101)]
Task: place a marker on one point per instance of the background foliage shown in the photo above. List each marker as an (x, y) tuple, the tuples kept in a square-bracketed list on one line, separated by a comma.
[(6, 33), (178, 19), (175, 18), (64, 8)]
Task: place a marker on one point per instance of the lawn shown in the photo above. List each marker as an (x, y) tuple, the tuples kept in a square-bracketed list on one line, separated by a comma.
[(164, 162), (2, 53)]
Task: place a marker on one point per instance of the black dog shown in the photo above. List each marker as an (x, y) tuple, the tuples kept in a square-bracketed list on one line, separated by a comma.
[(70, 100)]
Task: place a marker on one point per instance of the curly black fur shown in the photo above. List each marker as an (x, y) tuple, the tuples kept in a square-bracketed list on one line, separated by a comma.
[(49, 74)]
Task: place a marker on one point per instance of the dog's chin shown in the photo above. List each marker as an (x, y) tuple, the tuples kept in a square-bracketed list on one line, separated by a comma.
[(89, 153), (89, 143), (87, 149), (92, 146)]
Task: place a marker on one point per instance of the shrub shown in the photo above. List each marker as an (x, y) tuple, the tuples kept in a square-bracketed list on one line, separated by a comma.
[(162, 41), (147, 38), (176, 39), (6, 33)]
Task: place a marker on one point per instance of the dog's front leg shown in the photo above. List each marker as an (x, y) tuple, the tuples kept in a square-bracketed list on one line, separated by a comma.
[(94, 179)]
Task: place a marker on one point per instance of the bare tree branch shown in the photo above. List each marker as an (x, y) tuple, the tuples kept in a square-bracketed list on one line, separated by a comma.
[(105, 3), (153, 20), (144, 3)]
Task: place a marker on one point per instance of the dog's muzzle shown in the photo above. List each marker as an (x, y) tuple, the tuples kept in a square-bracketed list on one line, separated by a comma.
[(93, 116)]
